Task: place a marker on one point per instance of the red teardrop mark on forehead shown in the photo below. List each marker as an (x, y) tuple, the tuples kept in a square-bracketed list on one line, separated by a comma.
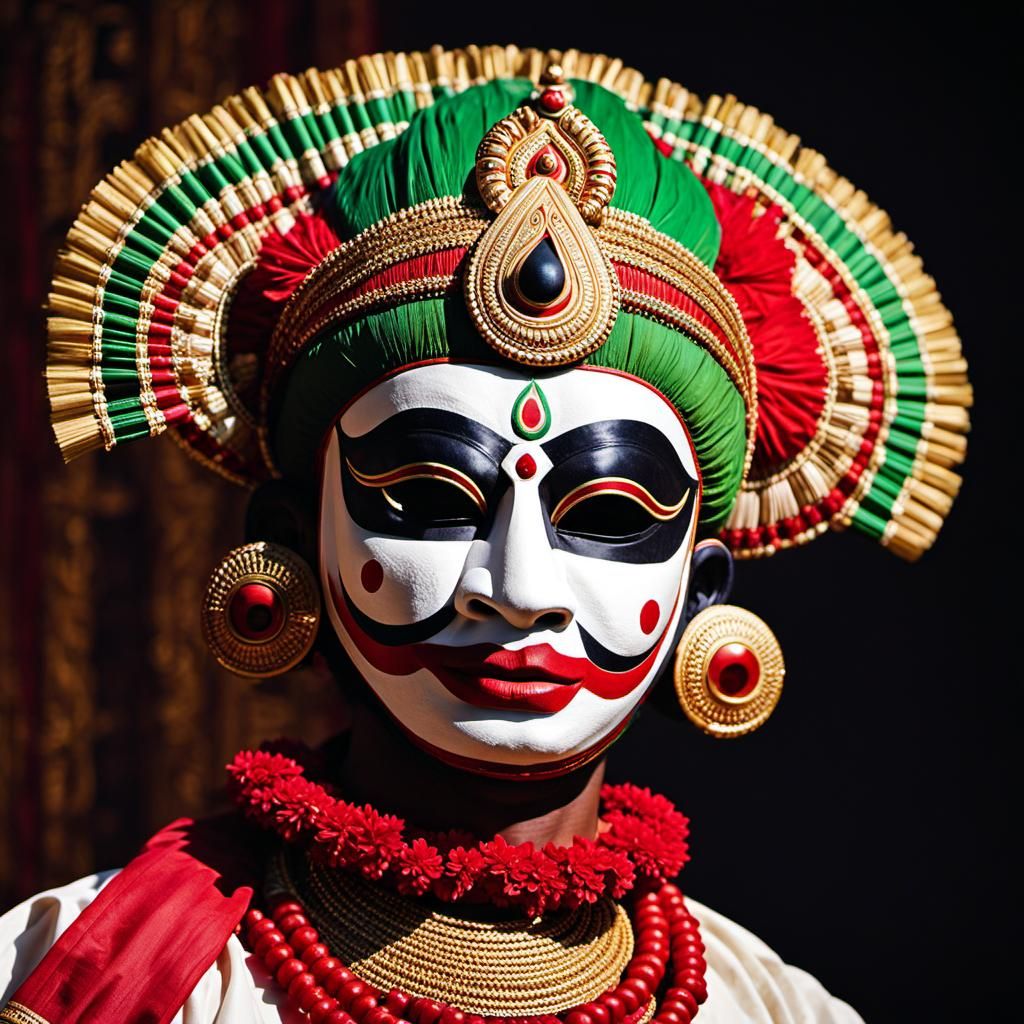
[(531, 417), (531, 414)]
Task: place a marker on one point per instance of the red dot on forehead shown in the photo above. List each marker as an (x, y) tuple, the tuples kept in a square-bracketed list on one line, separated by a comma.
[(649, 615), (526, 466), (372, 576)]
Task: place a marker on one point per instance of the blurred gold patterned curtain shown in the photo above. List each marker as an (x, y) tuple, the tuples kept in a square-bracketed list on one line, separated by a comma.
[(113, 720)]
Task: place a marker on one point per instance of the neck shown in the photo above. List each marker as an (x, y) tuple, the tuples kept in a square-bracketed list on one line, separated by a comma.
[(384, 768)]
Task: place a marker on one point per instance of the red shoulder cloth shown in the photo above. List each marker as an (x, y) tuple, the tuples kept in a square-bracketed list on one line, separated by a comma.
[(135, 954)]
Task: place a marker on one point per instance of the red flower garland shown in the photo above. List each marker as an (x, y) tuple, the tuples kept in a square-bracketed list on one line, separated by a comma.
[(645, 838)]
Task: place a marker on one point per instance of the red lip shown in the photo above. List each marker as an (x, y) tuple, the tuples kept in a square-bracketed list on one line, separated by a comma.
[(536, 679)]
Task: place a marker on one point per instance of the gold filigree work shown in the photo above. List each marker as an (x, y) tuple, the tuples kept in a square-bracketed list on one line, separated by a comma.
[(337, 290), (295, 591), (548, 173), (583, 319), (504, 155), (705, 703)]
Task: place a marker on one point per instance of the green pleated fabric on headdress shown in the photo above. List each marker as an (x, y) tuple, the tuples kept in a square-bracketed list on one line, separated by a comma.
[(435, 157)]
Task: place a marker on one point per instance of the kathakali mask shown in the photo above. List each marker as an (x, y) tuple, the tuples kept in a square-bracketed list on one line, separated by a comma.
[(535, 347)]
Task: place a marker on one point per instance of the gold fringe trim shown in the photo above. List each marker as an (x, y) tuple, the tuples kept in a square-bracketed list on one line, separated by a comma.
[(926, 495)]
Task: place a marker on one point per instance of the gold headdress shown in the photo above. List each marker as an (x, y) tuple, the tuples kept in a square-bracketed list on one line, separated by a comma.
[(856, 408)]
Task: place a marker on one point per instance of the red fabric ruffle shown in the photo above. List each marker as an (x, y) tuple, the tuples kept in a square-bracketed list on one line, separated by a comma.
[(792, 379)]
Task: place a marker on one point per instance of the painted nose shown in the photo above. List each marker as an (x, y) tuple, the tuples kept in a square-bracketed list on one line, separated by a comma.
[(515, 574)]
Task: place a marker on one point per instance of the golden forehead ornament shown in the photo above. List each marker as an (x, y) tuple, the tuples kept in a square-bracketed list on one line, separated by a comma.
[(538, 286)]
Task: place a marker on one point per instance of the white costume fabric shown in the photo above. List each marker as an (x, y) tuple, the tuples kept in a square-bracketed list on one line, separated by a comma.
[(747, 982)]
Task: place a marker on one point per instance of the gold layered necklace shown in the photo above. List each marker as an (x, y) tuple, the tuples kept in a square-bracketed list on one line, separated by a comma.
[(348, 951), (484, 963)]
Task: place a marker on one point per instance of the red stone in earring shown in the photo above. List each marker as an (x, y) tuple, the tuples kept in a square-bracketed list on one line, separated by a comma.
[(734, 671), (261, 610), (256, 612)]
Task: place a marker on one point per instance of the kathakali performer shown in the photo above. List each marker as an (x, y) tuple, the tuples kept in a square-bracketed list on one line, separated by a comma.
[(517, 352)]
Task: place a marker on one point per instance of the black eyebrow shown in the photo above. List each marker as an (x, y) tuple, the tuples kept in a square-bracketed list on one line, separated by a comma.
[(617, 448), (421, 435), (613, 433), (404, 433)]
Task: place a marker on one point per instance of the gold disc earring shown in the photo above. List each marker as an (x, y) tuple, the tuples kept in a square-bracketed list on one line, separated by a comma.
[(261, 611), (728, 671)]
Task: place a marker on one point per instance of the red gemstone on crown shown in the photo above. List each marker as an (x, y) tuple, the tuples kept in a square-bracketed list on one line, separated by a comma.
[(552, 100), (549, 163), (256, 611)]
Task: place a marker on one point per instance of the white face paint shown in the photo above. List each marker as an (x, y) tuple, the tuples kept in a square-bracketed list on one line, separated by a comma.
[(506, 563)]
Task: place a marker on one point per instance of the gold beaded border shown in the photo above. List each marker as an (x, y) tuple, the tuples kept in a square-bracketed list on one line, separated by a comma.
[(17, 1013), (291, 578), (717, 714)]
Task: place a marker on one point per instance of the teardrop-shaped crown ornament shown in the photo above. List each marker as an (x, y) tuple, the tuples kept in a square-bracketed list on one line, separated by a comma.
[(538, 286)]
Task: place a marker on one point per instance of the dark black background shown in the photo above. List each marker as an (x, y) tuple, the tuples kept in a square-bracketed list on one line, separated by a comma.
[(863, 832)]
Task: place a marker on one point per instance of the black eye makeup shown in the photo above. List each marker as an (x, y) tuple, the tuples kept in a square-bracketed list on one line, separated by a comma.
[(616, 490), (426, 474)]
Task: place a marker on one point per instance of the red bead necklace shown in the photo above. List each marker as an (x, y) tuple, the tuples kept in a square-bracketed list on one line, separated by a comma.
[(668, 946)]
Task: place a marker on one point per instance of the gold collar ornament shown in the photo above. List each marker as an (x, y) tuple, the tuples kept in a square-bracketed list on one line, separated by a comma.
[(508, 966), (538, 286)]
